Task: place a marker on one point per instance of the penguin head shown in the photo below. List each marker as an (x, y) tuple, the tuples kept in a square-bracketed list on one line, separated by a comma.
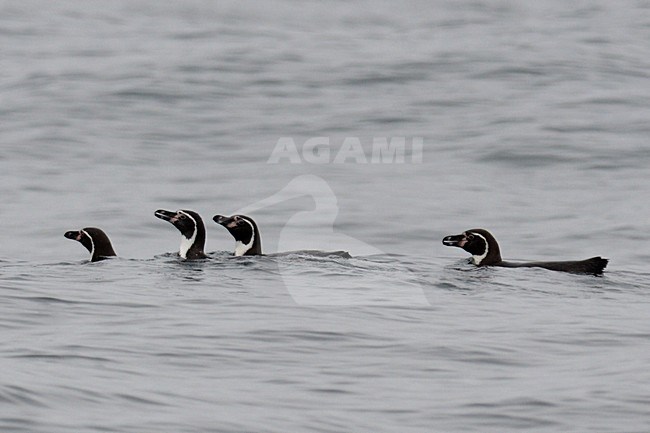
[(190, 224), (95, 241), (186, 221), (479, 243), (245, 232)]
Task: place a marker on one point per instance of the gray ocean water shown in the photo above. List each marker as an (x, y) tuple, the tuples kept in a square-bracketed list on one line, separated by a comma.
[(534, 123)]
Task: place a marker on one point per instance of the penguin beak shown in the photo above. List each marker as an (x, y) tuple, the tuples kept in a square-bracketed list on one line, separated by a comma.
[(166, 215), (225, 221), (455, 241), (220, 219), (74, 235)]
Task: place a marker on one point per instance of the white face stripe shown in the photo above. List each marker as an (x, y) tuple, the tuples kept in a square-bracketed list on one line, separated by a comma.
[(477, 259), (186, 244), (240, 247), (92, 243)]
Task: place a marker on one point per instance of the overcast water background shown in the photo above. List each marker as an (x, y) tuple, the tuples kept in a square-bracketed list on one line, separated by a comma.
[(534, 118)]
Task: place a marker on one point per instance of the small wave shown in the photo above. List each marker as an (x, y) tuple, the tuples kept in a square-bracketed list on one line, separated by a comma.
[(18, 395), (526, 158)]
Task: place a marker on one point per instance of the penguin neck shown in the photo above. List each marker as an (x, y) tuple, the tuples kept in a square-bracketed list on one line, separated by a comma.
[(97, 243), (91, 247), (477, 260), (241, 248), (490, 256), (252, 247), (101, 253), (192, 247)]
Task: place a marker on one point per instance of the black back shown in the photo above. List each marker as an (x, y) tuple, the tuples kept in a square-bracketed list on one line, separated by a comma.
[(593, 266)]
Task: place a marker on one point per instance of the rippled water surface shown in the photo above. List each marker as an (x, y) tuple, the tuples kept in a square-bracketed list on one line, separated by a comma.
[(534, 123)]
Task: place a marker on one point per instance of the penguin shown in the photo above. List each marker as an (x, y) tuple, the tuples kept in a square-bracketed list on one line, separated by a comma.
[(245, 232), (95, 241), (190, 224), (485, 252)]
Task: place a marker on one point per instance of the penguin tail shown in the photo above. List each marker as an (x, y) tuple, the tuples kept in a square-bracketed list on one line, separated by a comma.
[(595, 265)]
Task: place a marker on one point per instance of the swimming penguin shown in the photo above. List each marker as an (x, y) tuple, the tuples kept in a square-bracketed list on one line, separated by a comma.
[(485, 252), (245, 232), (95, 241), (190, 224)]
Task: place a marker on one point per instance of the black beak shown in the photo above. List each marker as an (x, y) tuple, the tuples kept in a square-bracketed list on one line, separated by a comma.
[(222, 220), (72, 235), (454, 241), (164, 214)]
